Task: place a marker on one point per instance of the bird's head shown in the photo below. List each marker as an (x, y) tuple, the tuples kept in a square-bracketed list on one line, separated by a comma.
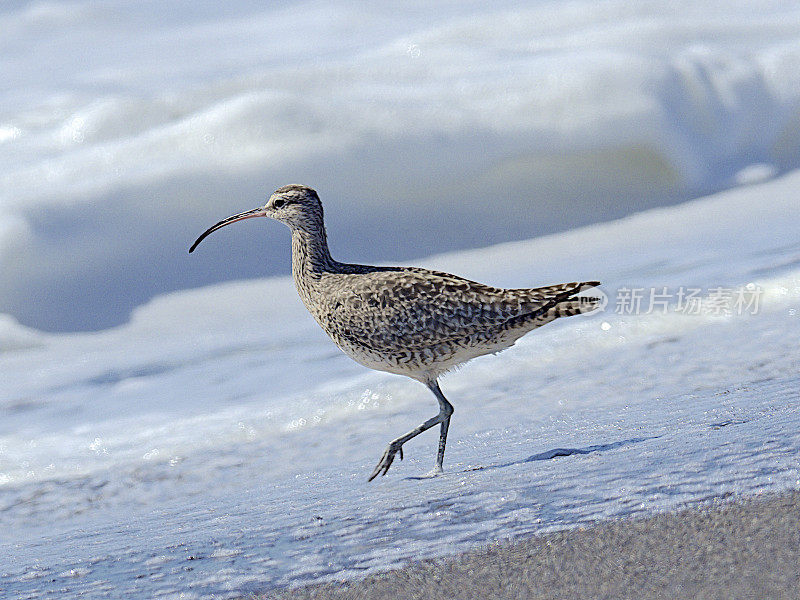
[(297, 206)]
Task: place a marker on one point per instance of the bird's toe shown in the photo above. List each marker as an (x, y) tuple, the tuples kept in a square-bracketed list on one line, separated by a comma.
[(386, 461)]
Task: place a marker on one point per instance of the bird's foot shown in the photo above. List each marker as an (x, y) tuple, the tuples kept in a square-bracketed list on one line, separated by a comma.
[(386, 460), (434, 472)]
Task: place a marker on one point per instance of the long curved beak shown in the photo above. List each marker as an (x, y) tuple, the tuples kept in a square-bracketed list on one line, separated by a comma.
[(248, 214)]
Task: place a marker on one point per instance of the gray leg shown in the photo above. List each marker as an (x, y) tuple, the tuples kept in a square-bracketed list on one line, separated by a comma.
[(396, 445), (445, 411)]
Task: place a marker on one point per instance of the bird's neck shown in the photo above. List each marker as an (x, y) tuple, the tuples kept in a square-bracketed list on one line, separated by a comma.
[(310, 255)]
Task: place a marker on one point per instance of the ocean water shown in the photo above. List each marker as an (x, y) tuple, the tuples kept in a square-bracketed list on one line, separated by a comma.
[(128, 127), (178, 426), (220, 444)]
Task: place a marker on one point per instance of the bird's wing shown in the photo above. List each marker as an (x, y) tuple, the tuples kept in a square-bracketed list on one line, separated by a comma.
[(417, 308)]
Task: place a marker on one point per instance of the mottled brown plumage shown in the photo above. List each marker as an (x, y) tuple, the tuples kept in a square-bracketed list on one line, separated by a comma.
[(406, 320)]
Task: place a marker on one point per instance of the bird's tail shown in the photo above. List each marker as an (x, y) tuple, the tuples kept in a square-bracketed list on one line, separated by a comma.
[(560, 301), (575, 306), (568, 303)]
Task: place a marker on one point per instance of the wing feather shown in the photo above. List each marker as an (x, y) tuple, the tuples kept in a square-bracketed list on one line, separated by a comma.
[(413, 308)]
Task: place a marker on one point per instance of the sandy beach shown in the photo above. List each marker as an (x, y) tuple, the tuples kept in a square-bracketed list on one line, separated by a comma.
[(747, 548), (179, 426)]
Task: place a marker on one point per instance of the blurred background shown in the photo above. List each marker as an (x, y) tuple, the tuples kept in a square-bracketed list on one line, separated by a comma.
[(219, 424), (127, 128)]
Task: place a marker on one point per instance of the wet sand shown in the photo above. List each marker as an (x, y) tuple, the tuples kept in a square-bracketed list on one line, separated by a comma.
[(739, 548)]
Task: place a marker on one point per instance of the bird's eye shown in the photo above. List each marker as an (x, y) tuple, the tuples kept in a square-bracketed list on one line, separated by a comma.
[(278, 203)]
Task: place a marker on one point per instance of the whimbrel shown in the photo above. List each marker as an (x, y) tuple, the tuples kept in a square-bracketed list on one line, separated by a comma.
[(406, 320)]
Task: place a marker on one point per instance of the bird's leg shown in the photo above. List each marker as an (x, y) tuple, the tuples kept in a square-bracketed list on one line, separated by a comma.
[(446, 409), (396, 445)]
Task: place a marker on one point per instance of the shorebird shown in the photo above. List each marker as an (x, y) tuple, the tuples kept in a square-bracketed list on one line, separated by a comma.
[(406, 320)]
